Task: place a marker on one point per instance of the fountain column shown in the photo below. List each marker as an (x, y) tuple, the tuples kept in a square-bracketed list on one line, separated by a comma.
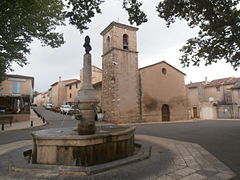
[(87, 98)]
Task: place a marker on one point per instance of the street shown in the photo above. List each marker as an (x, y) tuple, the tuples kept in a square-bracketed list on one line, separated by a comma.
[(219, 137)]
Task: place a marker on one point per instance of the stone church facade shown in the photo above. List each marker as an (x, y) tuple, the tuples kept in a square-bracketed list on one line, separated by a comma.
[(129, 94)]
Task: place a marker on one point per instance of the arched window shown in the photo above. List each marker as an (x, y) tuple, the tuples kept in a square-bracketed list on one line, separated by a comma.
[(125, 41)]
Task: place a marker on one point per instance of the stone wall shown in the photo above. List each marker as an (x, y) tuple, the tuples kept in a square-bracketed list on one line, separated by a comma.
[(18, 117), (120, 84)]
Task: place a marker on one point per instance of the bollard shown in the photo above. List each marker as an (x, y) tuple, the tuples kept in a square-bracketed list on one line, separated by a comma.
[(43, 120), (31, 123), (2, 127)]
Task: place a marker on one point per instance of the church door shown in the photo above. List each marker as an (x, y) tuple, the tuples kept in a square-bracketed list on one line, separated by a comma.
[(165, 113), (195, 114)]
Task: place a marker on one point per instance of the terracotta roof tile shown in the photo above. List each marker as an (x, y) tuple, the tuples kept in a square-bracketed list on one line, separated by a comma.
[(223, 81), (195, 84)]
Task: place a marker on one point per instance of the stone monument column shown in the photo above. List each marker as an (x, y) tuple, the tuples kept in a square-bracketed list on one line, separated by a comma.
[(87, 98)]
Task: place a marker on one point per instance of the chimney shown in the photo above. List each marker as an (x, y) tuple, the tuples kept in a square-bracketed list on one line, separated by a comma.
[(206, 80), (60, 79)]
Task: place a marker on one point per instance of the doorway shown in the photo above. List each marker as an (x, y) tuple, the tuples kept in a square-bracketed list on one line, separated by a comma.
[(195, 112), (165, 113)]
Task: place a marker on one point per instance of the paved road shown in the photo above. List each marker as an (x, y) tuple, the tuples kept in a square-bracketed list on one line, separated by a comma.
[(221, 138), (53, 119)]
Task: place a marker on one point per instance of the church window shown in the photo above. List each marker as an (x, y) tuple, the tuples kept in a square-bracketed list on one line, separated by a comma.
[(164, 71), (125, 41), (108, 42)]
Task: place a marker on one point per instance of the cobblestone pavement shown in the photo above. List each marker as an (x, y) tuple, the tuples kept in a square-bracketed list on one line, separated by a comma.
[(190, 161)]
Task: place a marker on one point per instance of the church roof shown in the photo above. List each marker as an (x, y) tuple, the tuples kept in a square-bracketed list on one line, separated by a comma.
[(162, 63)]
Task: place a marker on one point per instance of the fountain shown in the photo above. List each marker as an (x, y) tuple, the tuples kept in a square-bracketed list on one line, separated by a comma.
[(86, 145)]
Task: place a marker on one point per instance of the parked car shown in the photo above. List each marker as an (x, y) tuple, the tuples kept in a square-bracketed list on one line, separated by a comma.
[(65, 109), (48, 106), (56, 108)]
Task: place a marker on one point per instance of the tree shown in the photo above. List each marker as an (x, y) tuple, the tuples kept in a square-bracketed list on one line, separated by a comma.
[(219, 23), (21, 22)]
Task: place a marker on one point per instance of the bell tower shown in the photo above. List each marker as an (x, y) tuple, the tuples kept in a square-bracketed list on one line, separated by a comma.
[(120, 78)]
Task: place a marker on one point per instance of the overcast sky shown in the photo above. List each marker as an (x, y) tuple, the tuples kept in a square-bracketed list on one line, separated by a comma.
[(156, 43)]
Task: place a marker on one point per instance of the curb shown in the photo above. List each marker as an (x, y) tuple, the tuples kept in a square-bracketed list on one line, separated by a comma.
[(9, 130)]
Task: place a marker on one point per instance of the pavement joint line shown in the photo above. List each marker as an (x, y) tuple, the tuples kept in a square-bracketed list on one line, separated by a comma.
[(185, 150)]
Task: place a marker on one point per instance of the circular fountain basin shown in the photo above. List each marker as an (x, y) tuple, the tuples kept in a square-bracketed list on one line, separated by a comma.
[(63, 146)]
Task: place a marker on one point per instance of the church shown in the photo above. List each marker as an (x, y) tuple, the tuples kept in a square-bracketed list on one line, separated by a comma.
[(150, 94)]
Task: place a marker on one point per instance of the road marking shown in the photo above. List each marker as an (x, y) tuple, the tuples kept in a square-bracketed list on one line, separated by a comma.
[(4, 148)]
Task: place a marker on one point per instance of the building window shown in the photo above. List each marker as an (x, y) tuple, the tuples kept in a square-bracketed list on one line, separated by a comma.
[(16, 87), (125, 41), (164, 71), (76, 85), (70, 86), (70, 95), (108, 42), (218, 88)]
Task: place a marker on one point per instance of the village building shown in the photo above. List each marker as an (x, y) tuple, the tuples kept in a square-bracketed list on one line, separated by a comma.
[(42, 98), (59, 91), (129, 94), (65, 91), (216, 99), (16, 96), (72, 90)]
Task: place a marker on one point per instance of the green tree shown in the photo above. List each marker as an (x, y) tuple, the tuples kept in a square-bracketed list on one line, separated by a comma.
[(219, 34), (21, 22)]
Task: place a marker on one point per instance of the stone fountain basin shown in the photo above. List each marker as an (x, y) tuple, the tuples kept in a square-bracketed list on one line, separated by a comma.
[(63, 146)]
